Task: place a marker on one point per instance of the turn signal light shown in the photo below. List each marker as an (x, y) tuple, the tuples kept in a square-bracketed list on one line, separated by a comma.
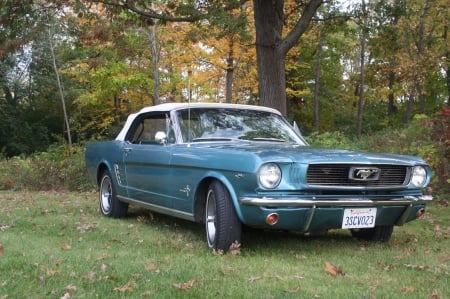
[(420, 213), (272, 219)]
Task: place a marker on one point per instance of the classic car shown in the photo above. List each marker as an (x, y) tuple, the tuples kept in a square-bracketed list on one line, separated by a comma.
[(229, 165)]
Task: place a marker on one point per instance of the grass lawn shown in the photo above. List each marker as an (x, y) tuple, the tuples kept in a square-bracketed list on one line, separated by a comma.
[(57, 245)]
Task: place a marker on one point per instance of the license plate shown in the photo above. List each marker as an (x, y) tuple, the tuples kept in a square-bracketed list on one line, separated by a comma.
[(359, 218)]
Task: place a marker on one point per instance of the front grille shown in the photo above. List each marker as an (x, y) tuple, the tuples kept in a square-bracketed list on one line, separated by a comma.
[(340, 175)]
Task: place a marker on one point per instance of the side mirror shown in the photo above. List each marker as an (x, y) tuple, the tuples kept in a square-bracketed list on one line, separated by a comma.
[(161, 137)]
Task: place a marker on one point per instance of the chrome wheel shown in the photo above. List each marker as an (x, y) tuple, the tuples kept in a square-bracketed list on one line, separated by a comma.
[(210, 218), (110, 205), (222, 224), (105, 195)]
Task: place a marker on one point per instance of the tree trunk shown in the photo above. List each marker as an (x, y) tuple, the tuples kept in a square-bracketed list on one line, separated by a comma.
[(409, 106), (447, 56), (271, 48), (361, 74), (230, 73), (269, 19), (392, 109), (155, 63), (448, 80), (61, 89), (317, 85), (420, 51)]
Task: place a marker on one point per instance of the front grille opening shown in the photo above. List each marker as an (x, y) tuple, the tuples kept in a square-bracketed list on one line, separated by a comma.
[(339, 175)]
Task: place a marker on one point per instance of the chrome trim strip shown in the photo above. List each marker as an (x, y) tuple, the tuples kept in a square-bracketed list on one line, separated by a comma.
[(158, 209), (355, 202), (310, 218), (404, 215)]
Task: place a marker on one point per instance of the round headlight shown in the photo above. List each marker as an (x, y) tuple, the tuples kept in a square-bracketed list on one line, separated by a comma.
[(269, 175), (419, 176)]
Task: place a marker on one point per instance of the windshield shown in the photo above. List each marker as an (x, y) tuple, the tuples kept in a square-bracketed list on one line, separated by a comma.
[(221, 124)]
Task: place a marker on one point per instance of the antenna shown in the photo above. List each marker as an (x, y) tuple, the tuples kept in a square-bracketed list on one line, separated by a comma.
[(189, 107)]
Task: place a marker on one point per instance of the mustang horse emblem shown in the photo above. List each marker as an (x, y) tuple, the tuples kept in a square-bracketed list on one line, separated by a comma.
[(364, 174)]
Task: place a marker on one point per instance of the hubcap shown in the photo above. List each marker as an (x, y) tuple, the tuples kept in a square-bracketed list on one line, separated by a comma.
[(211, 219), (105, 195)]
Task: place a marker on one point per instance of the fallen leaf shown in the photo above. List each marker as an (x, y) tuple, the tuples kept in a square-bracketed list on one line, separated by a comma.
[(150, 267), (89, 275), (409, 251), (103, 267), (2, 249), (65, 247), (416, 267), (217, 252), (294, 290), (71, 288), (235, 248), (408, 289), (184, 286), (3, 227), (434, 295), (102, 257), (87, 227), (58, 262), (48, 271), (66, 296), (445, 258), (333, 270), (142, 219), (112, 277), (253, 278), (125, 288)]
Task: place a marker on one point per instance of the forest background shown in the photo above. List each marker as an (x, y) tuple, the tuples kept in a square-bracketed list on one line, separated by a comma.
[(373, 75)]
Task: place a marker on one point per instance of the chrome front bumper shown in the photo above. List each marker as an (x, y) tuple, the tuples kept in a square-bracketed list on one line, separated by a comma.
[(354, 202), (408, 202)]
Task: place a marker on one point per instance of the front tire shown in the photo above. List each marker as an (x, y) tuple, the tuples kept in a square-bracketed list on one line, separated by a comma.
[(110, 205), (222, 224), (380, 233)]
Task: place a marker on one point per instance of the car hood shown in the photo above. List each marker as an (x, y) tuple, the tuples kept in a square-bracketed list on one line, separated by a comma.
[(290, 153)]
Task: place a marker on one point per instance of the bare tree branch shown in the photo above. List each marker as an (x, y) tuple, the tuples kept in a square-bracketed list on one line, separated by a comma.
[(150, 13), (301, 26)]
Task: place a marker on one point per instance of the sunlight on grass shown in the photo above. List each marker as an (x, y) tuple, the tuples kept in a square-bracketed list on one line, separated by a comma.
[(56, 245)]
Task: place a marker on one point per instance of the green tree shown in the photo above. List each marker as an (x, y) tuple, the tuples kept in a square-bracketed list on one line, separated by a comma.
[(271, 46)]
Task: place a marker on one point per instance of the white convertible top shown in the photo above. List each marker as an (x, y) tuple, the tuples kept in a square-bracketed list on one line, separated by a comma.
[(176, 106)]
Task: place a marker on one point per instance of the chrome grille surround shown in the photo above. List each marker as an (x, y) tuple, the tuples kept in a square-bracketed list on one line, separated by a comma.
[(346, 175)]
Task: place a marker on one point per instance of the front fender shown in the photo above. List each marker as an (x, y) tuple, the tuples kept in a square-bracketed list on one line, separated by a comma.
[(228, 184)]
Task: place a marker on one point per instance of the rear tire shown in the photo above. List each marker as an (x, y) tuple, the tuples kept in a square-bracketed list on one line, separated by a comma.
[(222, 224), (381, 233), (110, 205)]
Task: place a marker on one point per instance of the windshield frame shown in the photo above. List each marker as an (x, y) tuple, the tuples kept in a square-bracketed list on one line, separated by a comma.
[(217, 124)]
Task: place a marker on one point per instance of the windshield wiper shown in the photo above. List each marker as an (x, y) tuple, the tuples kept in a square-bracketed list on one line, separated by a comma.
[(211, 139), (268, 139)]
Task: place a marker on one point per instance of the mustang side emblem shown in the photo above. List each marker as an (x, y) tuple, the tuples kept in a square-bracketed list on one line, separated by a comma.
[(364, 173), (186, 190)]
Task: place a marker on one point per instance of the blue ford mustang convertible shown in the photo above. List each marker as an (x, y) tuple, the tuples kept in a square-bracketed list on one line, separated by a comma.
[(227, 165)]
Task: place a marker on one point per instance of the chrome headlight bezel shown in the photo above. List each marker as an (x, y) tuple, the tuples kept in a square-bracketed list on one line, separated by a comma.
[(269, 175), (419, 176)]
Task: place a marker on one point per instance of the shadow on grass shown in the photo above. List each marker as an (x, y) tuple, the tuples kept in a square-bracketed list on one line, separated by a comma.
[(253, 239)]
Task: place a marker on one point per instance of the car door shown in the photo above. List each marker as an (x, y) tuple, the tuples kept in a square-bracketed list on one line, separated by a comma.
[(146, 158)]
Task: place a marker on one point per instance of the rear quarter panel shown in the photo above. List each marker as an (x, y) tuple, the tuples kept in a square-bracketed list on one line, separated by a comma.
[(104, 154)]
